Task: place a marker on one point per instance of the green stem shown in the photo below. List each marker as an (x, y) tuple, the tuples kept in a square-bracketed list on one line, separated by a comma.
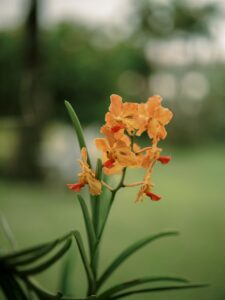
[(95, 256), (96, 214), (91, 236), (113, 195)]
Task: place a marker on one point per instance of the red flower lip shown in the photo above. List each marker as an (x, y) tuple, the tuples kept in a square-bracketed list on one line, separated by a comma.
[(165, 159), (76, 187), (116, 128), (153, 196), (109, 163)]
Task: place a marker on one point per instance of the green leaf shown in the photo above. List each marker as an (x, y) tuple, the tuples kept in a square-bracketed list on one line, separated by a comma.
[(96, 199), (66, 282), (72, 298), (98, 170), (18, 289), (88, 224), (158, 289), (129, 251), (19, 255), (80, 136), (11, 288), (132, 283), (47, 263), (7, 231), (31, 258), (77, 127), (89, 273), (42, 293), (7, 289)]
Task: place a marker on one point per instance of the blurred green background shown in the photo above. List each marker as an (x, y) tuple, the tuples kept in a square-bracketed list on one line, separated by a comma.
[(83, 52)]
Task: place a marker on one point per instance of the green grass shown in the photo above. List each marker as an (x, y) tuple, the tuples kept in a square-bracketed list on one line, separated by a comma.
[(193, 202)]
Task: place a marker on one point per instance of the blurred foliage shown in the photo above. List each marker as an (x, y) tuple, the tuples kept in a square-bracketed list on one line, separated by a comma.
[(74, 67), (77, 68), (167, 18), (10, 71)]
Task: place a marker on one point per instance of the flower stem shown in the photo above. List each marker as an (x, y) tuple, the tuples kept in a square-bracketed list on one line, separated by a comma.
[(121, 184), (95, 254), (107, 186), (133, 184)]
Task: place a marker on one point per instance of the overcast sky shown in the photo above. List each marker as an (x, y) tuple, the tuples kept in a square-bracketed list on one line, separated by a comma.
[(92, 11)]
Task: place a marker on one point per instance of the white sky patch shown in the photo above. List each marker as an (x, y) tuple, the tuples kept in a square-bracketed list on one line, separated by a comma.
[(11, 13), (89, 11), (93, 12)]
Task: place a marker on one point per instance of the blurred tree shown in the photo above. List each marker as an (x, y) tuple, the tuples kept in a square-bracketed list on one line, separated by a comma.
[(158, 24), (25, 163), (10, 72), (34, 105), (83, 72), (161, 19)]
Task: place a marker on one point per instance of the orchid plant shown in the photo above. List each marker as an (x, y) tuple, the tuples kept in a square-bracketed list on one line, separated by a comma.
[(121, 150)]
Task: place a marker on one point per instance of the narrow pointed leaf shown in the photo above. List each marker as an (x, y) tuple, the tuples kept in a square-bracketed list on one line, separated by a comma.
[(96, 199), (98, 170), (18, 289), (33, 257), (11, 288), (158, 289), (89, 273), (80, 136), (129, 251), (42, 293), (132, 283), (7, 231), (72, 298), (17, 255), (77, 126), (66, 282), (88, 224), (7, 289), (49, 262)]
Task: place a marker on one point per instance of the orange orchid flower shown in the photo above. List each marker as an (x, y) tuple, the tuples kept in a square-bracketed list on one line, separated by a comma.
[(122, 116), (87, 176), (117, 154), (155, 118), (159, 117), (146, 190), (146, 156)]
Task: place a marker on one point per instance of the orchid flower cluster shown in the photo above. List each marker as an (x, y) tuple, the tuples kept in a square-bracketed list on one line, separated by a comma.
[(124, 123)]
